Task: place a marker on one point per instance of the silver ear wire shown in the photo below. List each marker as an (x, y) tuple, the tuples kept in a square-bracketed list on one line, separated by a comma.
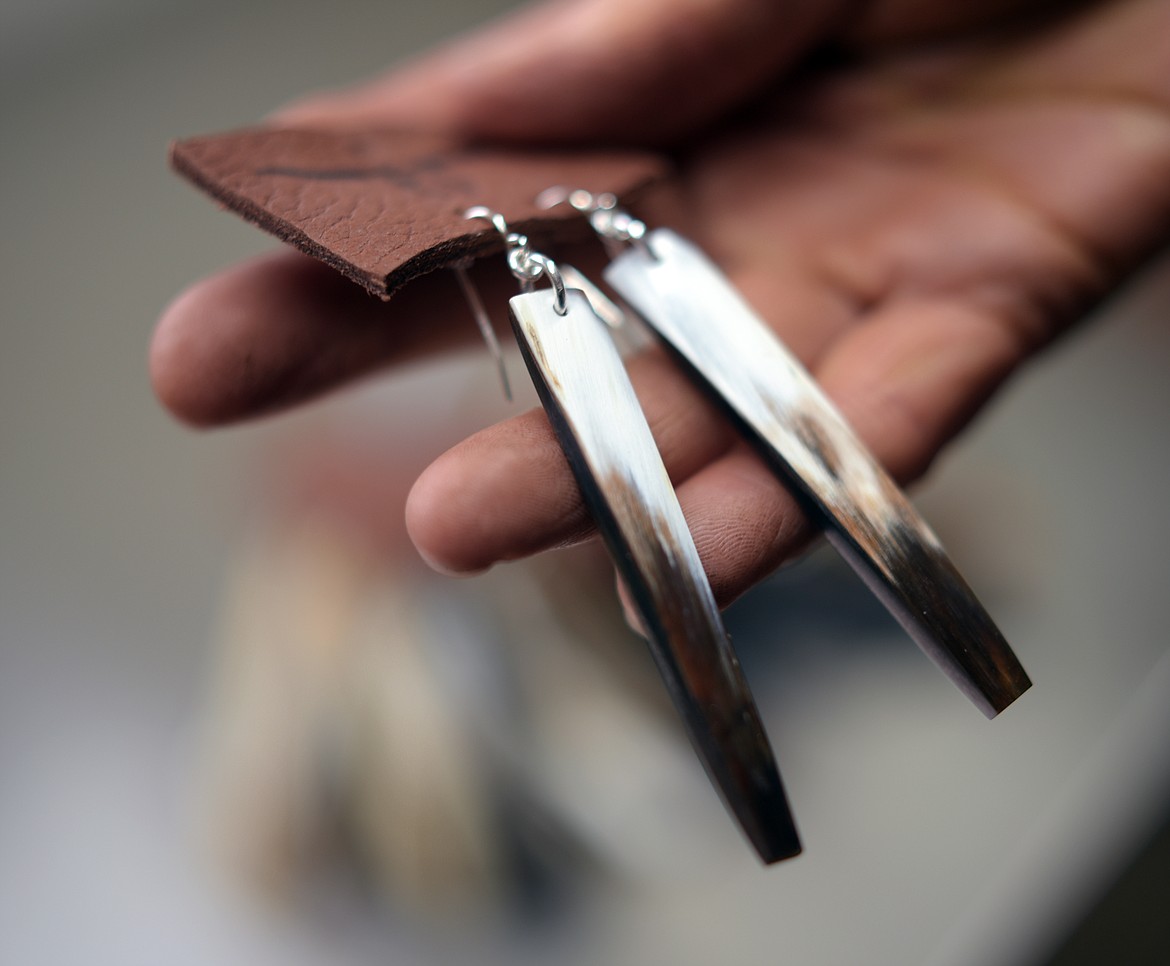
[(483, 320), (525, 264), (614, 226)]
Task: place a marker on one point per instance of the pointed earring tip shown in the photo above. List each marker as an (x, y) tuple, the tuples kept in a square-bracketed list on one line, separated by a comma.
[(776, 839), (764, 815), (779, 850), (993, 695)]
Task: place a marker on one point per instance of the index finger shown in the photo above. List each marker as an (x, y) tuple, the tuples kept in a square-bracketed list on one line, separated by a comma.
[(280, 329)]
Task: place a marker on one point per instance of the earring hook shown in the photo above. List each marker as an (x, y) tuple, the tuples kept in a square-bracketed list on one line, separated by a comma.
[(526, 264), (613, 225), (483, 320)]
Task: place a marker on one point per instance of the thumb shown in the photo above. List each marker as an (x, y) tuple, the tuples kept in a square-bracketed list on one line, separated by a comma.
[(575, 70)]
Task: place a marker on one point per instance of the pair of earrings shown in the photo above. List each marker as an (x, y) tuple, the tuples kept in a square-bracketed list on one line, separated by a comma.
[(775, 404)]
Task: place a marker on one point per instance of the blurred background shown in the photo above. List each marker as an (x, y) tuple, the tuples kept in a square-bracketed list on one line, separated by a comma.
[(235, 730)]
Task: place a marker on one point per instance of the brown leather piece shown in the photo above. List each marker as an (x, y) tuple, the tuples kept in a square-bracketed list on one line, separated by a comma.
[(383, 207)]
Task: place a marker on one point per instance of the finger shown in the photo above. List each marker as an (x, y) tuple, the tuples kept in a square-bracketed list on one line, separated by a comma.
[(568, 71), (907, 381), (744, 520), (915, 374), (507, 491), (283, 328)]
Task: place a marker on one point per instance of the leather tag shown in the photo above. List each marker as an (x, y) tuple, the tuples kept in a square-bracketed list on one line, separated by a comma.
[(383, 207)]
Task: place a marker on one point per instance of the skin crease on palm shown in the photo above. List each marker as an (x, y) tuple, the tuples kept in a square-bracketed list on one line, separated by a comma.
[(915, 215)]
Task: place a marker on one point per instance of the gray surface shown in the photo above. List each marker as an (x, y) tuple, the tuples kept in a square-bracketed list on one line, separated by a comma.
[(927, 829)]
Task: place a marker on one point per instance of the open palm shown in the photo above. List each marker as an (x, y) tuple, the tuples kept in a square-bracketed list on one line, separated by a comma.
[(915, 214)]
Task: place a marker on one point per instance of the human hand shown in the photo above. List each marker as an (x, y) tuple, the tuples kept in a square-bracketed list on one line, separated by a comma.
[(914, 219)]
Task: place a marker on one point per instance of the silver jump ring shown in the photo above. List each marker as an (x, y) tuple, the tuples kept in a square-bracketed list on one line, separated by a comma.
[(521, 260)]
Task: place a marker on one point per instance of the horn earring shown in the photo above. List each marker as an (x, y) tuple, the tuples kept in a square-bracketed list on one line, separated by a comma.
[(774, 403), (600, 425)]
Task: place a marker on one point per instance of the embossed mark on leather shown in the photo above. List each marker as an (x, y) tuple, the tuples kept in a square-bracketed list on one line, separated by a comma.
[(383, 207)]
